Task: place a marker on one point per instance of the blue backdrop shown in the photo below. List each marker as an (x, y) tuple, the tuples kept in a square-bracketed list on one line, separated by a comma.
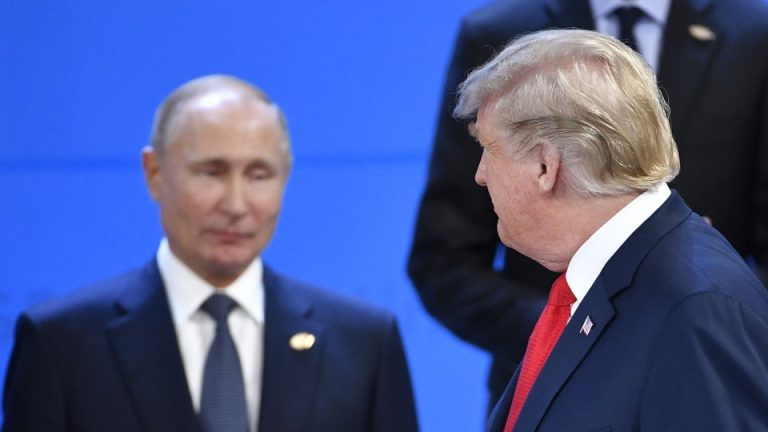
[(359, 82)]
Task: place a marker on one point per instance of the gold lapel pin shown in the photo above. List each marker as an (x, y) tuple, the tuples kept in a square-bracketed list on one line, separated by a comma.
[(701, 33), (302, 341)]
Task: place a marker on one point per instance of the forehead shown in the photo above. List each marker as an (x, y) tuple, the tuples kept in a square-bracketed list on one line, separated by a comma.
[(219, 123), (486, 126), (228, 110)]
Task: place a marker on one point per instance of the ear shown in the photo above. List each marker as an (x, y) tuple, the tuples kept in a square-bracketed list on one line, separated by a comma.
[(150, 162), (549, 167)]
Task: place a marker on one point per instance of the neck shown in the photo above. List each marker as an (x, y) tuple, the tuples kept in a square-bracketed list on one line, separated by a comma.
[(574, 219)]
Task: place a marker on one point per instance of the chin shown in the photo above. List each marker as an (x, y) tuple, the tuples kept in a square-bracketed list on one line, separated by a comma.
[(506, 241), (231, 253), (532, 253), (551, 263), (223, 274), (230, 263), (553, 267)]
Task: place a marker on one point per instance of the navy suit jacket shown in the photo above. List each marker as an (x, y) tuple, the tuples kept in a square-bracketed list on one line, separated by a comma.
[(718, 94), (106, 359), (679, 343)]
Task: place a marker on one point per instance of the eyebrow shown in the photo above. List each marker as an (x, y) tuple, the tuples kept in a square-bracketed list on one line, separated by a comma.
[(259, 162)]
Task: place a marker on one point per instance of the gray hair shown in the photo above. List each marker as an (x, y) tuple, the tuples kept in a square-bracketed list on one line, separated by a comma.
[(172, 109), (589, 95)]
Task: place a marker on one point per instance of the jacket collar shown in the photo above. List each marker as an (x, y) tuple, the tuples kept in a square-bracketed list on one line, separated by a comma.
[(143, 339), (290, 368)]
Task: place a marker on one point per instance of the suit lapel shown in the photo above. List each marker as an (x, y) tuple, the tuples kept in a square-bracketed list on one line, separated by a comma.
[(569, 352), (290, 375), (687, 56), (144, 342)]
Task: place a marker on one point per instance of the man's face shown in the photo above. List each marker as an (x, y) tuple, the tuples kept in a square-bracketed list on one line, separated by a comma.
[(219, 184), (511, 182)]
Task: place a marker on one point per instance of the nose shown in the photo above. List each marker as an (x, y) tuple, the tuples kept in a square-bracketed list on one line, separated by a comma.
[(480, 173), (234, 201)]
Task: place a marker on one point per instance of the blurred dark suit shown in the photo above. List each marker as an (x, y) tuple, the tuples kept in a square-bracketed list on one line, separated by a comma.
[(107, 359)]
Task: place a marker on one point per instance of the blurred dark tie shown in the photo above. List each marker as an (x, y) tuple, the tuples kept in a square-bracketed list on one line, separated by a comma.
[(628, 17), (223, 404)]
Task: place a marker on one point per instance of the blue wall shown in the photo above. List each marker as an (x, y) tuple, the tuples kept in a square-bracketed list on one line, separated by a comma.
[(359, 82)]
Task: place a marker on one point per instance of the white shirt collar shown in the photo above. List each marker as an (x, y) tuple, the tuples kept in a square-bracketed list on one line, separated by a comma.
[(187, 291), (657, 10), (591, 257)]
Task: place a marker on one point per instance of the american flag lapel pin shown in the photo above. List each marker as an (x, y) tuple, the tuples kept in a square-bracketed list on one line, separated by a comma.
[(587, 326)]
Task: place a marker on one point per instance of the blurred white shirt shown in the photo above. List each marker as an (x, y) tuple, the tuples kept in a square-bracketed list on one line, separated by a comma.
[(649, 30)]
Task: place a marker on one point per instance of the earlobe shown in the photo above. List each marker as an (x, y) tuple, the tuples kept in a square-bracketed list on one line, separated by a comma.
[(151, 166)]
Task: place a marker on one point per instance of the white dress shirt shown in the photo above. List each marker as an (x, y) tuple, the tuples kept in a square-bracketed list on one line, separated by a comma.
[(195, 329), (649, 30), (591, 257)]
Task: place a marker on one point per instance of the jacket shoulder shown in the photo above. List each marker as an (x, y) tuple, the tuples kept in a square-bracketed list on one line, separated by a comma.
[(90, 302), (331, 306), (504, 19), (695, 260)]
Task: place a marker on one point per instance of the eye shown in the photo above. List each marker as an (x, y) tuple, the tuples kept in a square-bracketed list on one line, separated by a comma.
[(211, 169), (260, 173)]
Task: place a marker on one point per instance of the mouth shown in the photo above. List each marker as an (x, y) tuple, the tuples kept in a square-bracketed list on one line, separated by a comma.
[(227, 236)]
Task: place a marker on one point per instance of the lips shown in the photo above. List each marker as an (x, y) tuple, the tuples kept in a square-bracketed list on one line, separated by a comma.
[(229, 236)]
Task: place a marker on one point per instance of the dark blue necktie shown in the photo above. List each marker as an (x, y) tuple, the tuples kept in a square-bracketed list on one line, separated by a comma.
[(628, 17), (223, 404)]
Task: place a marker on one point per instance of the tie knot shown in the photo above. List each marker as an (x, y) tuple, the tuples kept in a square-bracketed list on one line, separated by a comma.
[(218, 306), (628, 15), (561, 294)]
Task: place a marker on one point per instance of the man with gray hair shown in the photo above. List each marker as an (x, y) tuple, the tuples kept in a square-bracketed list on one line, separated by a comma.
[(656, 323), (206, 337)]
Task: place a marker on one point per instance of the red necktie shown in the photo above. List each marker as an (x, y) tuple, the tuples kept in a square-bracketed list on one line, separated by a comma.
[(548, 329)]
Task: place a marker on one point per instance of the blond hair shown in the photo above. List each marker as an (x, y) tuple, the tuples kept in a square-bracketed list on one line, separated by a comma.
[(587, 94)]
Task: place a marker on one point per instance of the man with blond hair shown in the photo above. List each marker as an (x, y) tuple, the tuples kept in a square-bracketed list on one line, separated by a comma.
[(656, 323), (710, 62)]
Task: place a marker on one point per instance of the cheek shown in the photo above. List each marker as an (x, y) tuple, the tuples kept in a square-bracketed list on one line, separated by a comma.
[(502, 189), (194, 201), (273, 205), (266, 200), (510, 200)]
